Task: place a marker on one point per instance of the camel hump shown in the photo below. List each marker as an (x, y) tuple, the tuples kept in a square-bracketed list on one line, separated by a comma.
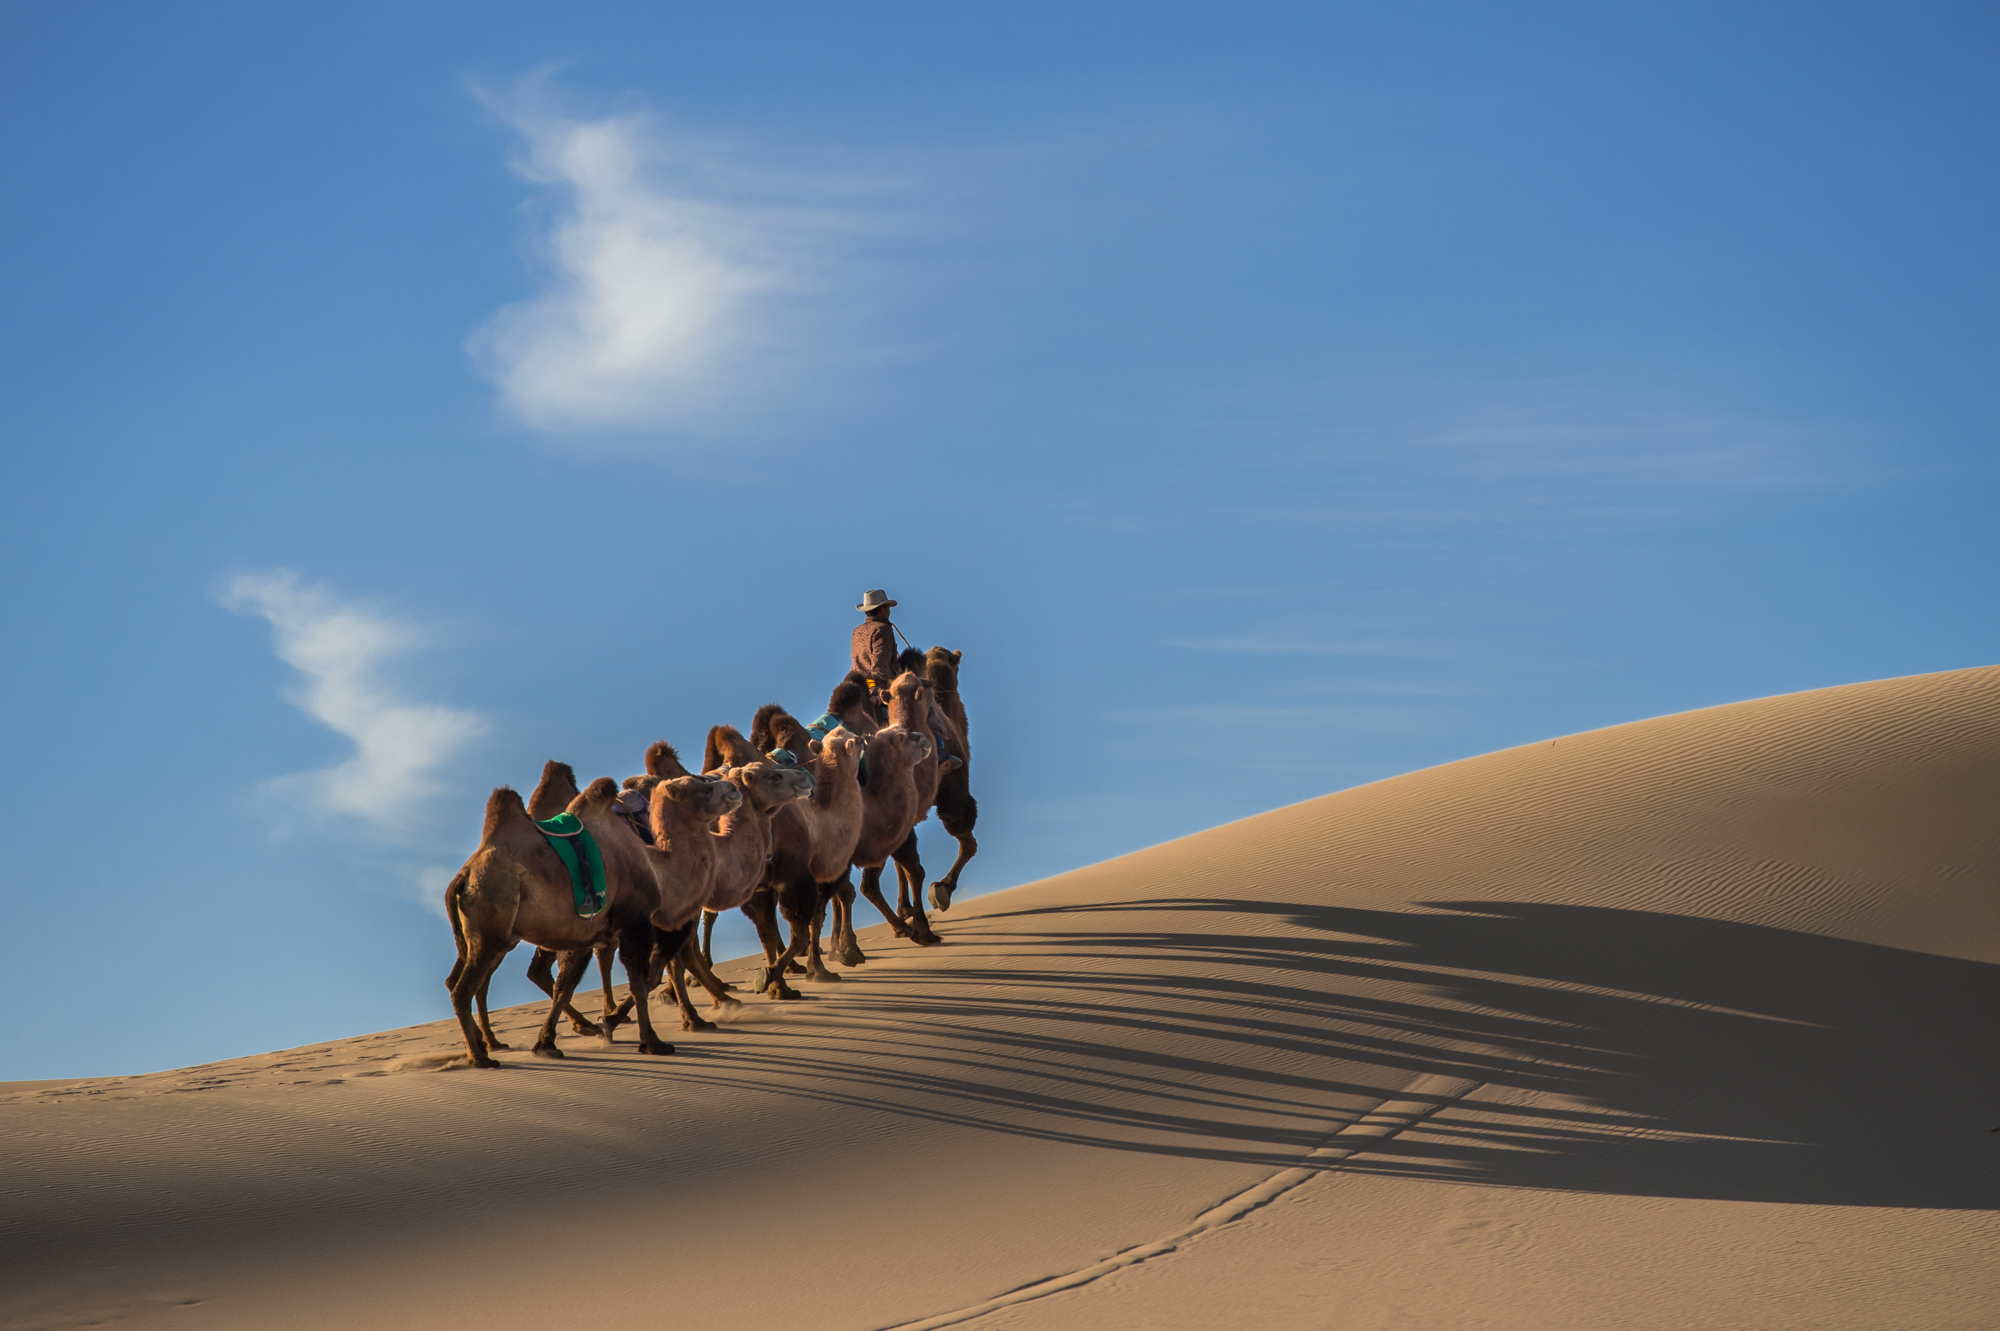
[(502, 807), (727, 748), (763, 727), (662, 759), (601, 791)]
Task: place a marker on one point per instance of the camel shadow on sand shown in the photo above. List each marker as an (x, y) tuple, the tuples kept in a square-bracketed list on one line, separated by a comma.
[(1693, 1057)]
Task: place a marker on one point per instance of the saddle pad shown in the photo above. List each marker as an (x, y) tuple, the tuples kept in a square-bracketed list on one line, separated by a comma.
[(565, 833)]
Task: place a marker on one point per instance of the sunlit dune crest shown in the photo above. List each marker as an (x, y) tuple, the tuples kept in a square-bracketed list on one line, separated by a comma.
[(1684, 1022)]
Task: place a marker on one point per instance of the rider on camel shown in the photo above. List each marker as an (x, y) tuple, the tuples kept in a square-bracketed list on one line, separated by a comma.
[(873, 647)]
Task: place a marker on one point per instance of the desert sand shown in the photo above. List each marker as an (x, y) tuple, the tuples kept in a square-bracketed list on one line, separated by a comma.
[(1689, 1022)]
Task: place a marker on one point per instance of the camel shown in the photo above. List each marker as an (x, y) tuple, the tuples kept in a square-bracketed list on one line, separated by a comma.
[(770, 791), (812, 842), (688, 855), (902, 777), (911, 705), (516, 888), (552, 795), (957, 810)]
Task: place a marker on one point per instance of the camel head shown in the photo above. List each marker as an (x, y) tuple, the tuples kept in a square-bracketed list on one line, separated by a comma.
[(766, 785), (841, 751), (698, 799), (910, 699), (941, 664), (894, 750)]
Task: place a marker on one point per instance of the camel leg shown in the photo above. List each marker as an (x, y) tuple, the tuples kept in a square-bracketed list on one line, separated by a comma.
[(704, 974), (689, 958), (773, 976), (801, 904), (714, 981), (605, 951), (902, 889), (942, 889), (541, 970), (635, 949), (467, 978), (871, 887), (567, 975), (663, 944), (910, 867), (762, 908), (846, 946), (486, 1022)]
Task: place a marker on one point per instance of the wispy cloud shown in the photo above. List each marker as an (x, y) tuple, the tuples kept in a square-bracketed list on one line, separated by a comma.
[(678, 273), (342, 651)]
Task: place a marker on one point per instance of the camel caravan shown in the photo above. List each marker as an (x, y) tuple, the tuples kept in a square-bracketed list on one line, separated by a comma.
[(773, 825)]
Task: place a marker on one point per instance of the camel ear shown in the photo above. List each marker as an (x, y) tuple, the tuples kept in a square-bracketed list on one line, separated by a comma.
[(814, 746)]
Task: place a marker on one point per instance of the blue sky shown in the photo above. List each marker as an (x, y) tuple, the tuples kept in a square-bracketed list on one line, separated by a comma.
[(1265, 399)]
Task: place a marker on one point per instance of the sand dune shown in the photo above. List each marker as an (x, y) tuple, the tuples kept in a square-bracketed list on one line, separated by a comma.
[(1686, 1022)]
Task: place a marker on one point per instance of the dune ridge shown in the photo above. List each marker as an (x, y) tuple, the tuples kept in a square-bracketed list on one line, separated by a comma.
[(1680, 1021)]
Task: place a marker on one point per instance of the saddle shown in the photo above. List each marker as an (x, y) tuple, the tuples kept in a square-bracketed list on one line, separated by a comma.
[(577, 849), (637, 811)]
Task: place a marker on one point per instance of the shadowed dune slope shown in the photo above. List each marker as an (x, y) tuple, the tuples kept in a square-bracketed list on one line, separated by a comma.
[(1690, 1021)]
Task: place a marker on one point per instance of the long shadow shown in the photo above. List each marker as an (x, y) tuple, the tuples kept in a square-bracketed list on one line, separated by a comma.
[(1693, 1057)]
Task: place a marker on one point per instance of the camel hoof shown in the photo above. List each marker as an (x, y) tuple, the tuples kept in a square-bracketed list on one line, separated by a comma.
[(725, 986), (851, 954), (821, 975), (586, 1028), (492, 1043), (925, 938), (484, 1062), (547, 1051), (784, 993), (660, 1048), (697, 1024), (941, 896), (793, 968)]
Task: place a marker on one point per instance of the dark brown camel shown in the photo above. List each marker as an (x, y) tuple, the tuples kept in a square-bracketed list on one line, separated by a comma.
[(516, 888), (957, 810)]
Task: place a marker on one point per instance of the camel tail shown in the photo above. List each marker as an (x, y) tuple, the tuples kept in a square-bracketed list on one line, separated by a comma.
[(453, 890), (662, 759), (763, 733)]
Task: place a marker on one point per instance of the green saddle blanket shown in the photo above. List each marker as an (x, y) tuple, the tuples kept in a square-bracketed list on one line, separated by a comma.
[(566, 835)]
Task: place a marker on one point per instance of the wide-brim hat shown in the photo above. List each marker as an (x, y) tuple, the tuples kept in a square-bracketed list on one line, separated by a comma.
[(875, 600)]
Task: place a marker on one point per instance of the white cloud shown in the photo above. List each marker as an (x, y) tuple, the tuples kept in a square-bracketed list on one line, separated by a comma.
[(340, 650), (675, 273)]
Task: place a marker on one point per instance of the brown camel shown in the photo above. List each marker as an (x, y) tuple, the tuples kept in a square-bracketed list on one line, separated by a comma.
[(551, 796), (911, 704), (747, 835), (892, 802), (687, 855), (516, 888), (812, 842)]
